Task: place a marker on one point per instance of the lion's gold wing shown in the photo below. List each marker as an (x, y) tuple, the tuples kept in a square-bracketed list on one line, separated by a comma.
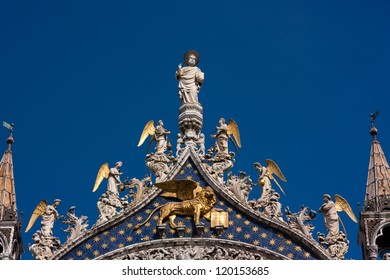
[(39, 210), (181, 189), (103, 172), (233, 130), (342, 205), (149, 129)]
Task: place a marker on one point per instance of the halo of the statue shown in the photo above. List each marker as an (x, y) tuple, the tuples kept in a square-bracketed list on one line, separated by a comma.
[(188, 53)]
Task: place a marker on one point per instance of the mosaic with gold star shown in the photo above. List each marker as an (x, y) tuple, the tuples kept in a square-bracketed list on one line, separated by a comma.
[(241, 228)]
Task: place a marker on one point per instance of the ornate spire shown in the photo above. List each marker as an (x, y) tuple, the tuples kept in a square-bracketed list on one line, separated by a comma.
[(378, 179), (8, 209)]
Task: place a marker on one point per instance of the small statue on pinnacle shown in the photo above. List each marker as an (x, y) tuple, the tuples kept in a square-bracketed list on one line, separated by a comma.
[(190, 78)]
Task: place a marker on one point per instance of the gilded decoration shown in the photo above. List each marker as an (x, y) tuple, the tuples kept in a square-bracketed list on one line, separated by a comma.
[(241, 228), (211, 211), (195, 201)]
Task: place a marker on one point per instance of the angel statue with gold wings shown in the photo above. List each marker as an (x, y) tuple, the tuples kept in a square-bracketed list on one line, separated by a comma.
[(330, 211), (158, 133), (266, 175), (195, 201), (219, 155), (45, 243), (112, 174), (110, 200), (49, 215), (231, 131), (268, 200)]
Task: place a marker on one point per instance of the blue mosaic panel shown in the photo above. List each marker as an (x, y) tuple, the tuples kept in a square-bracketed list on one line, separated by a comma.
[(241, 228)]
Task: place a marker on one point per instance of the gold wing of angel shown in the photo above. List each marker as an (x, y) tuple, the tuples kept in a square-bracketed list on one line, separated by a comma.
[(149, 129), (39, 210)]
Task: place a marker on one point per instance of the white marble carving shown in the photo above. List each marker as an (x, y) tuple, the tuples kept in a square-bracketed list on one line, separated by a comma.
[(77, 226), (190, 78), (300, 220)]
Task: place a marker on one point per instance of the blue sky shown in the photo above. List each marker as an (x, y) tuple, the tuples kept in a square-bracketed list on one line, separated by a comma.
[(80, 79)]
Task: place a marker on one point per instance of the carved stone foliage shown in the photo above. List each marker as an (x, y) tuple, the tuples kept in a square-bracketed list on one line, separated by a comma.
[(111, 204), (138, 189), (108, 204), (268, 205), (197, 142), (160, 164), (240, 185), (77, 226), (300, 220), (193, 253), (220, 162), (273, 208), (179, 145), (337, 245), (44, 247)]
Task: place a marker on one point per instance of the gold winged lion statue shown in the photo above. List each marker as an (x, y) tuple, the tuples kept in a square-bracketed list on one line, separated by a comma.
[(195, 201)]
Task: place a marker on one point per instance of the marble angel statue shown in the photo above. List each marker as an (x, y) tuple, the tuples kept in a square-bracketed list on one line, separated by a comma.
[(190, 78), (112, 175), (48, 213), (330, 211), (269, 199), (158, 133), (335, 242), (110, 201), (44, 241), (219, 156)]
